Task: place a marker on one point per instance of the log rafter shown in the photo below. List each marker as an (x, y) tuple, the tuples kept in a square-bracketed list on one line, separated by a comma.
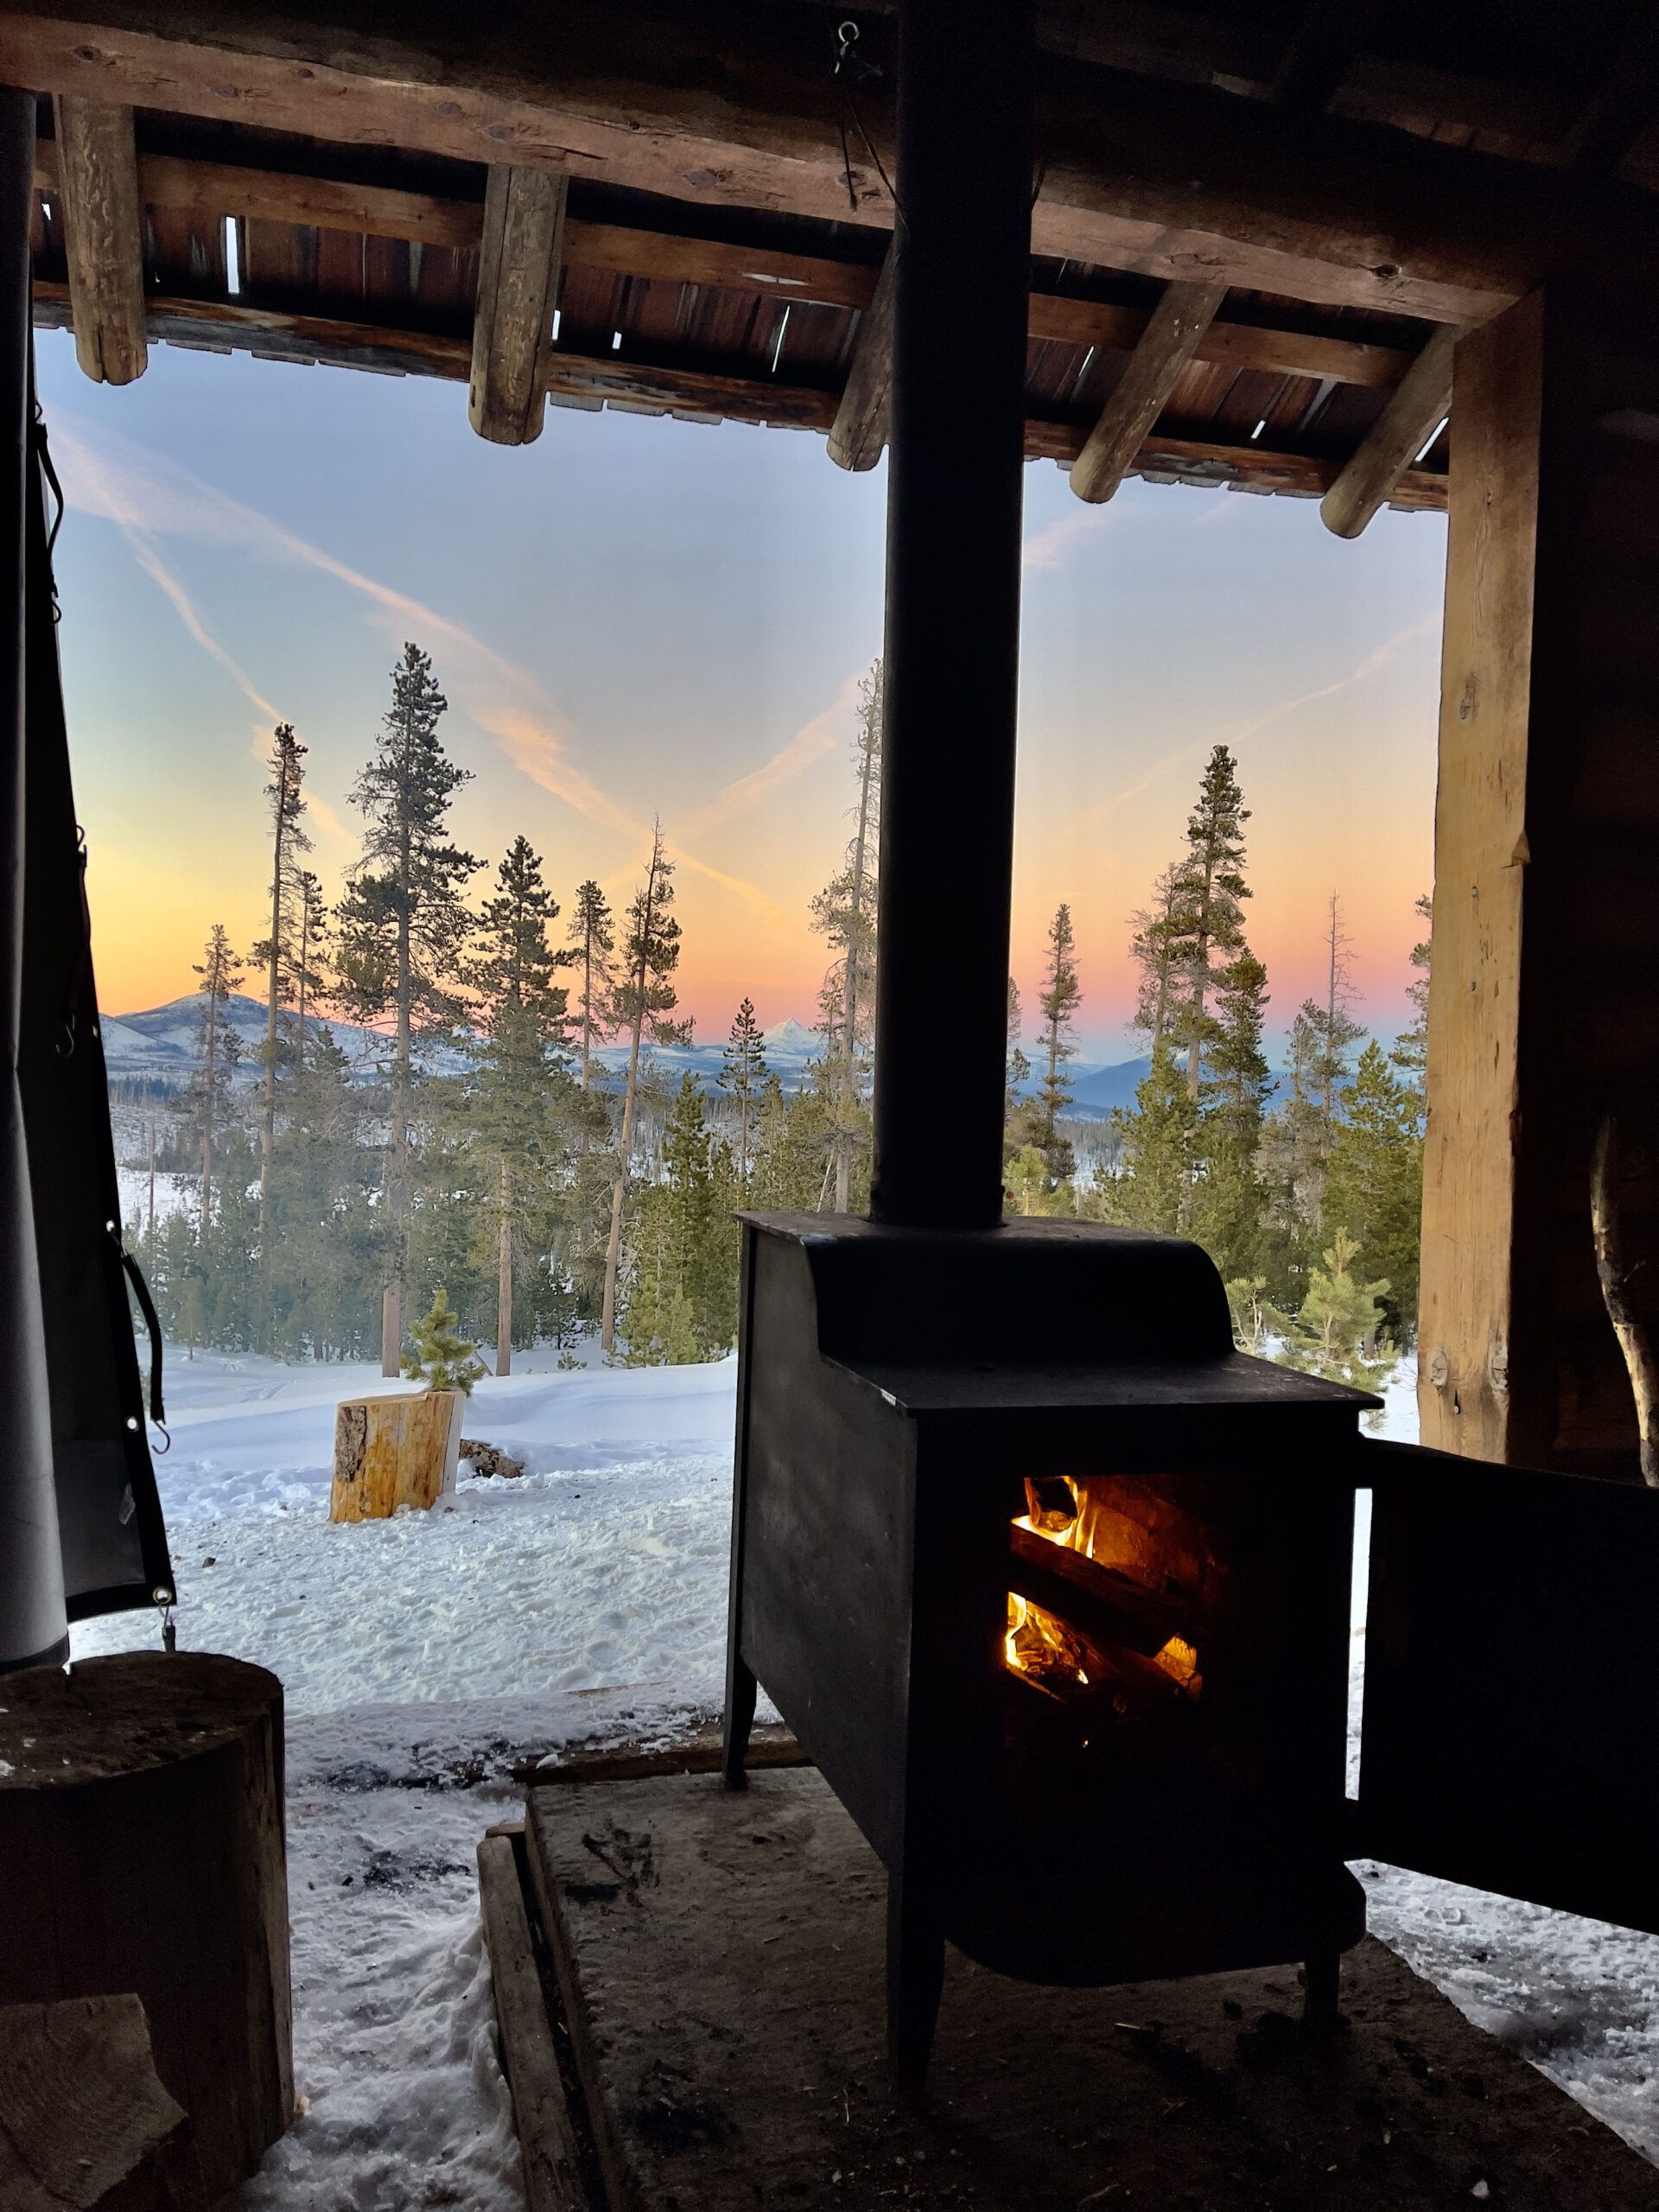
[(1341, 213), (1163, 351), (859, 433), (699, 395), (1422, 402), (102, 238), (518, 290)]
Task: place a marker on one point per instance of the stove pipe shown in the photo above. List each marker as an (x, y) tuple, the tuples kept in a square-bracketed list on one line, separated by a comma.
[(961, 280)]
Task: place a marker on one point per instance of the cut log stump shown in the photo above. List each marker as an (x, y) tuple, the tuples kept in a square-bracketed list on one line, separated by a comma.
[(142, 1849), (394, 1450), (85, 2123)]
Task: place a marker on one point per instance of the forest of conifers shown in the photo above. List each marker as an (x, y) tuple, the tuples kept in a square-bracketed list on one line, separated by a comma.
[(487, 1150)]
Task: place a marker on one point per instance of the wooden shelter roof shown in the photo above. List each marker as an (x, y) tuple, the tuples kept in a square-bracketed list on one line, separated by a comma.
[(1323, 185)]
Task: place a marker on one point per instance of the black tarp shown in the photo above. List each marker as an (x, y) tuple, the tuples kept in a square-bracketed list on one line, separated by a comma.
[(69, 1374)]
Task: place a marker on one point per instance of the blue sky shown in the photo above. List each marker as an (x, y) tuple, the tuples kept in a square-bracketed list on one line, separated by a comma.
[(637, 616)]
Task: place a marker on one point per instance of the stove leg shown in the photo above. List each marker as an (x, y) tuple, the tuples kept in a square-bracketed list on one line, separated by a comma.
[(915, 1983), (739, 1718), (1321, 1989)]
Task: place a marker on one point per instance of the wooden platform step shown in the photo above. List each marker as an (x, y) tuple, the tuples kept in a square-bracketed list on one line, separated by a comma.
[(719, 1961)]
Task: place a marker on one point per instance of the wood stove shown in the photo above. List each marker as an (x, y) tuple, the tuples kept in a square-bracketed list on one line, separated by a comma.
[(1053, 1584)]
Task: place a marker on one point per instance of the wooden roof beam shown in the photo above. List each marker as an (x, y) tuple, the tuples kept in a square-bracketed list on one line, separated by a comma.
[(103, 229), (210, 190), (1168, 180), (1316, 61), (1166, 345), (1618, 111), (518, 290), (1395, 440), (859, 433)]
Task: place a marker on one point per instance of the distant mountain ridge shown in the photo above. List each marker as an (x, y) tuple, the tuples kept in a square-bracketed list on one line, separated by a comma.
[(159, 1046)]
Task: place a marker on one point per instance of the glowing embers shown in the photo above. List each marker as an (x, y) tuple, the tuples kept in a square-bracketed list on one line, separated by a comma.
[(1110, 1584)]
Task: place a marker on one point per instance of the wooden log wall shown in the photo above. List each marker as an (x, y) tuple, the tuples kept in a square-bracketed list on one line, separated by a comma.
[(1544, 1011)]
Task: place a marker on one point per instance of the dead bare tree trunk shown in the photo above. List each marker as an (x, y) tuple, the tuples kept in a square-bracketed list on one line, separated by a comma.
[(1614, 1274)]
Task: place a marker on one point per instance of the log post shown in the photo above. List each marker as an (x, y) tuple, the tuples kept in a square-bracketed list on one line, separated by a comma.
[(142, 1841), (103, 228), (393, 1451), (1543, 1014)]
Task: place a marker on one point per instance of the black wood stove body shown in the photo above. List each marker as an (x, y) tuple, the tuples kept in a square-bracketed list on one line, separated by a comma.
[(1053, 1584)]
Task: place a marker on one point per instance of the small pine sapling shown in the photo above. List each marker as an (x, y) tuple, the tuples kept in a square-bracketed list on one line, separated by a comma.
[(441, 1358)]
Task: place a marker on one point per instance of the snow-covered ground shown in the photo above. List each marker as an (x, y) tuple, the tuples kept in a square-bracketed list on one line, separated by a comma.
[(423, 1656)]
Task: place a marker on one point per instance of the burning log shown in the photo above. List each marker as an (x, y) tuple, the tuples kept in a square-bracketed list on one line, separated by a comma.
[(1614, 1274), (1102, 1602)]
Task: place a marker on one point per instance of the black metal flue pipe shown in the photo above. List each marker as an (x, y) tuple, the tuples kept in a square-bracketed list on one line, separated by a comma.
[(963, 186)]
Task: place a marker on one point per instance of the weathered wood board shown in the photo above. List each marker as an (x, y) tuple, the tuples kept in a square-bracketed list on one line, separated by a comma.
[(720, 1958), (399, 1448)]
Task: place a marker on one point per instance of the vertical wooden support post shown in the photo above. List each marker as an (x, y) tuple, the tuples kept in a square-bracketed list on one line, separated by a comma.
[(1542, 1013), (954, 494)]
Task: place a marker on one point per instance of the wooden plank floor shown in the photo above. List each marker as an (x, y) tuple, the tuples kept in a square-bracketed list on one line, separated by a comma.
[(720, 1958)]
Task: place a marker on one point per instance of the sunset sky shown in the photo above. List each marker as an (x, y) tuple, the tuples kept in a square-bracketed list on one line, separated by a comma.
[(635, 617)]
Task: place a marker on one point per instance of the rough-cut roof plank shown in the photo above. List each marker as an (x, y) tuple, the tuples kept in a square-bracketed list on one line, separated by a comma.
[(1395, 440), (1166, 345), (102, 238), (517, 287), (1168, 180)]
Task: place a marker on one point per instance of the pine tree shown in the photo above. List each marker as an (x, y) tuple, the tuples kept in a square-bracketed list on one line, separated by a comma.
[(311, 969), (845, 912), (403, 923), (683, 1298), (793, 1144), (1155, 951), (1410, 1053), (1205, 923), (1058, 1001), (1225, 1212), (743, 1073), (593, 932), (1334, 1333), (439, 1357), (644, 1000), (1016, 1073), (218, 1046), (1154, 1190), (1374, 1186), (514, 1103), (278, 953)]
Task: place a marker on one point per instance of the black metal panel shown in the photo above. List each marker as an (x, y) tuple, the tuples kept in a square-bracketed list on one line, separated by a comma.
[(824, 1530), (1511, 1654)]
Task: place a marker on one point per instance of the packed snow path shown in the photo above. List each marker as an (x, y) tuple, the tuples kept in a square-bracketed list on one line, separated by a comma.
[(422, 1655)]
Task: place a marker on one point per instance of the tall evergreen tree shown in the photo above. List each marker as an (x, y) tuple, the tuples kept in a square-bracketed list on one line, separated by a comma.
[(645, 999), (1057, 1002), (1225, 1216), (403, 924), (743, 1073), (845, 913), (279, 953), (217, 1048), (311, 967), (1205, 927), (1410, 1053), (1154, 1190), (1337, 1031), (1155, 948), (1016, 1073), (683, 1301), (1374, 1185), (516, 1101), (591, 931)]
